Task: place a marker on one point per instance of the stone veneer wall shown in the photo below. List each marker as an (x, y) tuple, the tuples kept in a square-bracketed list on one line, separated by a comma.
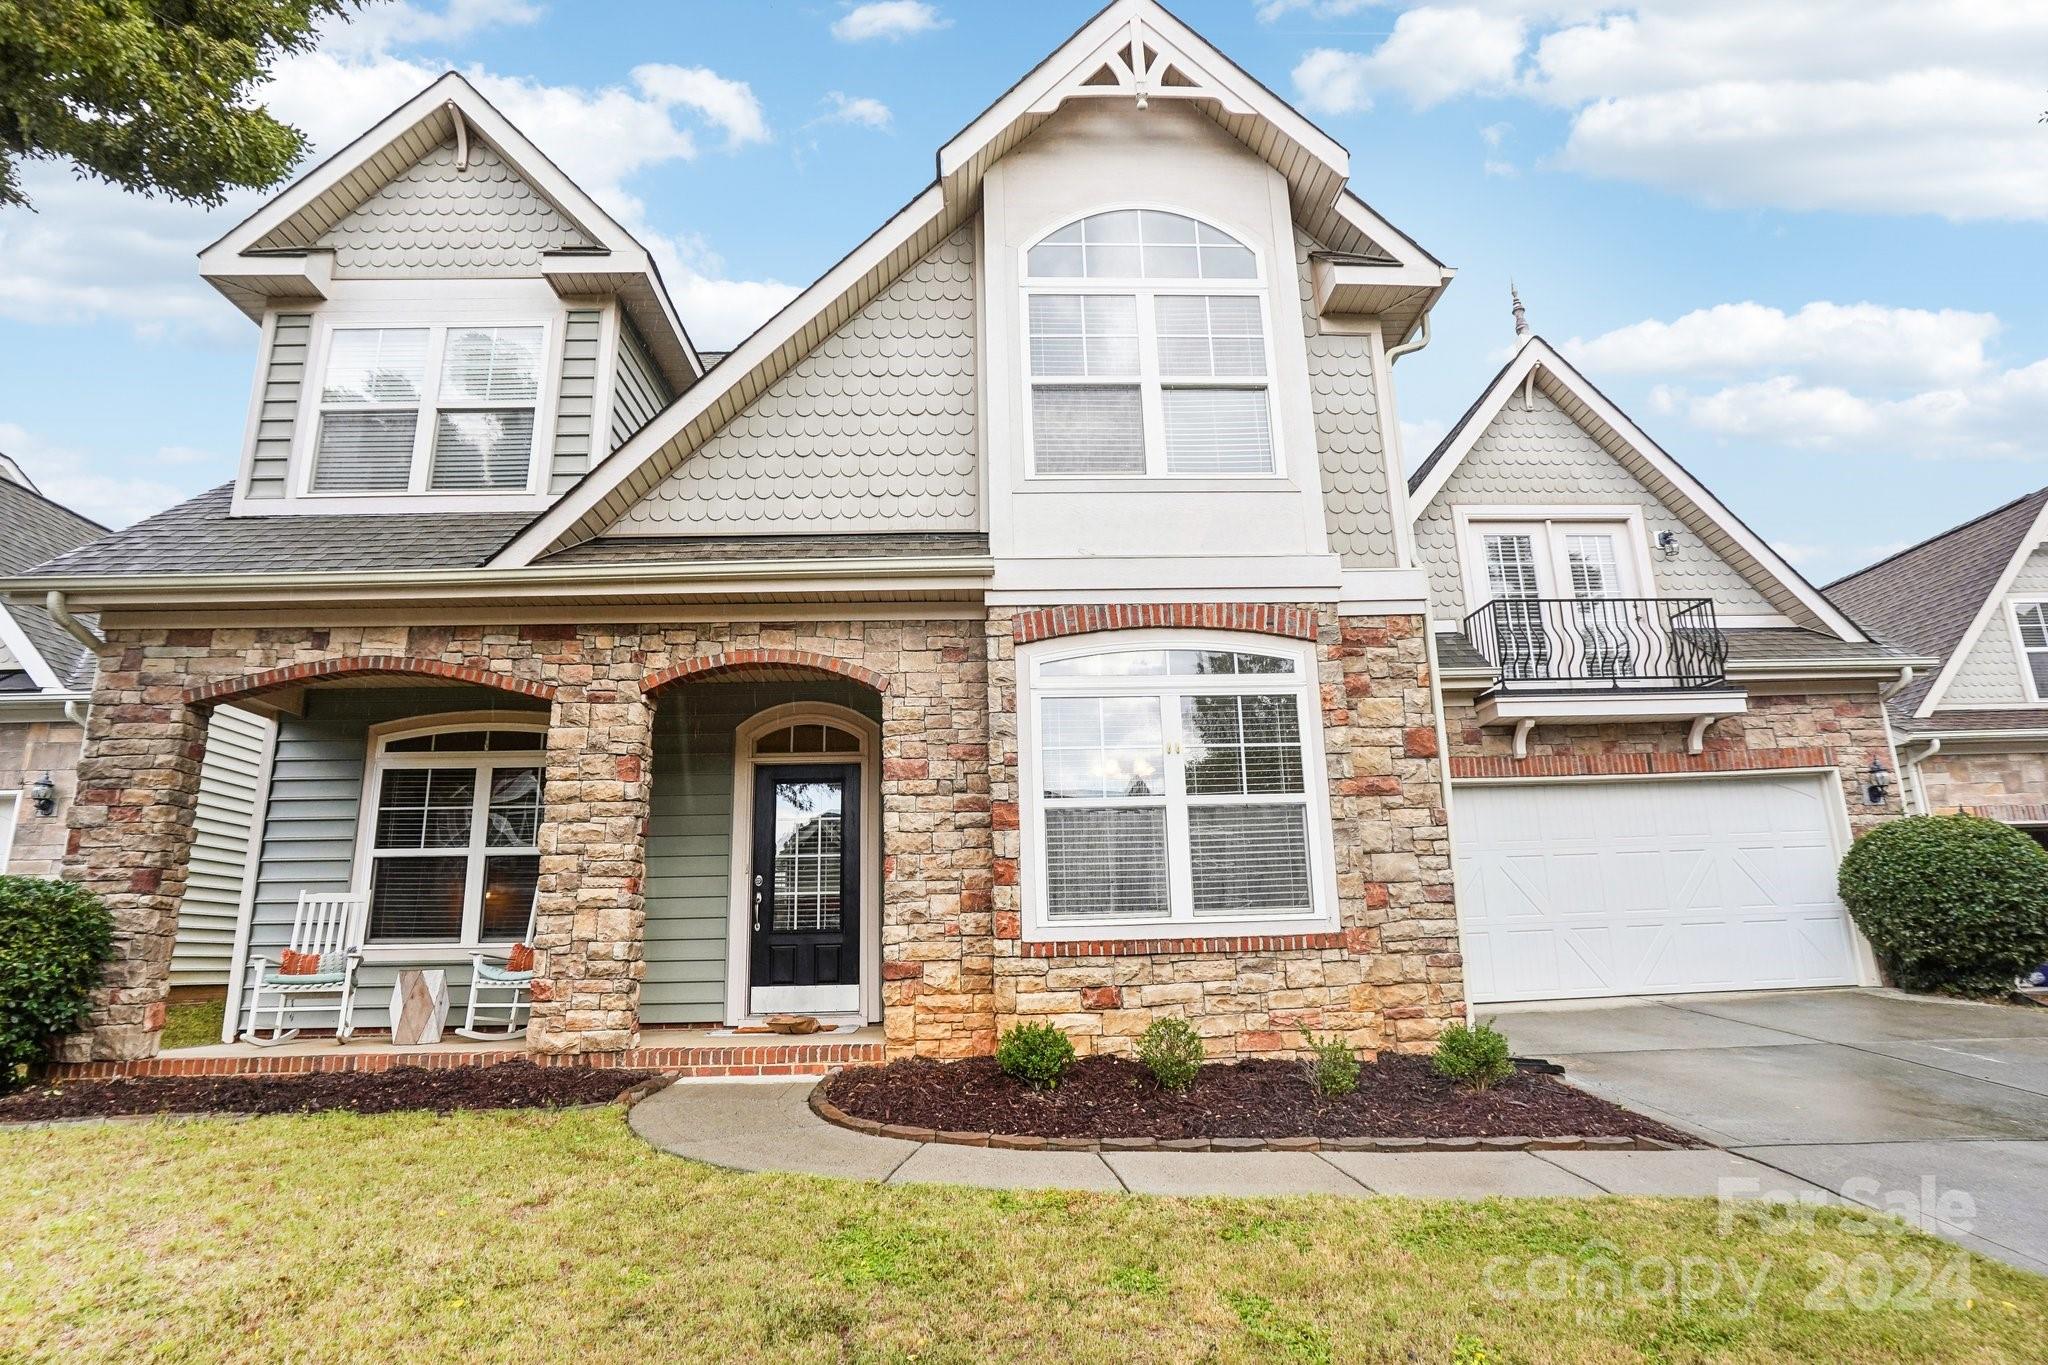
[(2003, 786), (1390, 979), (27, 751), (1844, 730), (131, 824)]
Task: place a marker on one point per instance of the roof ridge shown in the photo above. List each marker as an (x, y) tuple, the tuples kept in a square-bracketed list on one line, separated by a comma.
[(1979, 519)]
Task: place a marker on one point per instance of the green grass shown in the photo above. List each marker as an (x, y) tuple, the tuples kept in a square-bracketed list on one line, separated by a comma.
[(193, 1023), (529, 1235)]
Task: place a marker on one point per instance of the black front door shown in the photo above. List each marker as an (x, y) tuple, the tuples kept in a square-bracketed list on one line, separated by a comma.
[(805, 887)]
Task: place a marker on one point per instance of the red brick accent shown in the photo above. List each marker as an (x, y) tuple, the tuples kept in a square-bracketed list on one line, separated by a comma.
[(1256, 618), (227, 689), (1631, 765), (754, 658), (2010, 812), (794, 1059), (1140, 947)]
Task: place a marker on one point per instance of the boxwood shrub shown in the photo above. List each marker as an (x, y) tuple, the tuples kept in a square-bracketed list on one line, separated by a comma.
[(54, 938), (1951, 903), (1036, 1054)]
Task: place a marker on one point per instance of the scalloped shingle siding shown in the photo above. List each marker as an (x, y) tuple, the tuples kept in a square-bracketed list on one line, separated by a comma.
[(1530, 458), (1356, 508), (433, 219), (874, 430), (1990, 675)]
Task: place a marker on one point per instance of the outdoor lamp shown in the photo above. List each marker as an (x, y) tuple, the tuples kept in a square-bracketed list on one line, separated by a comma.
[(43, 792), (1880, 783)]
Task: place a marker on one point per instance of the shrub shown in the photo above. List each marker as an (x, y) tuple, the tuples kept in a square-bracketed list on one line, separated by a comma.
[(1036, 1054), (54, 938), (1172, 1051), (1332, 1066), (1951, 903), (1475, 1055)]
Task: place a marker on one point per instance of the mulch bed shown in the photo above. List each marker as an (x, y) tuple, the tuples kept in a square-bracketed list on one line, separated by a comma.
[(1113, 1097), (507, 1085)]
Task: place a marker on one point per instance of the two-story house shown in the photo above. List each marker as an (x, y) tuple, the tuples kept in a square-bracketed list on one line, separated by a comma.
[(1035, 619)]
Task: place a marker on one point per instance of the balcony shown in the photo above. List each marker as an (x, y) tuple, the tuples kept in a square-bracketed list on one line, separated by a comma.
[(1580, 659)]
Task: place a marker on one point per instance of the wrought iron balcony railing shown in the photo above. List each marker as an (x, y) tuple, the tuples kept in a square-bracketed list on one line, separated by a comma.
[(1612, 642)]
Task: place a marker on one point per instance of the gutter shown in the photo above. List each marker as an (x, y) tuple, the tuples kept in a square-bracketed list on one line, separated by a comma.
[(55, 605)]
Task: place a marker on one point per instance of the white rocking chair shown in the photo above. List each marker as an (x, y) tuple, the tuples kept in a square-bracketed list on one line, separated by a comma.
[(510, 994), (331, 928)]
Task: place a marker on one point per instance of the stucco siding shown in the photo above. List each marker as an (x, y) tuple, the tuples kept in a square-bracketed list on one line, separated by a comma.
[(874, 430), (230, 776), (277, 408), (1349, 444), (309, 828), (638, 390), (433, 219), (1532, 457), (576, 403)]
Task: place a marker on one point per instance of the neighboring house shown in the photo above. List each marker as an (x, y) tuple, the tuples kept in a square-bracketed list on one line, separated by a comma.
[(1032, 620), (45, 684), (1973, 727)]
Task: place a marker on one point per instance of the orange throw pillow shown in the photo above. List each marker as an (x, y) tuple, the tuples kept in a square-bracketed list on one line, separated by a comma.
[(298, 964), (520, 959)]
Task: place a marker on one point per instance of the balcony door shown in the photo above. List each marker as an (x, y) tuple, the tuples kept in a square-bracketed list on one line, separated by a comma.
[(1563, 587)]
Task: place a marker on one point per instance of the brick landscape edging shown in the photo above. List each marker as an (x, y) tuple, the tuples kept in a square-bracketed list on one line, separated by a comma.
[(1013, 1142), (684, 1063)]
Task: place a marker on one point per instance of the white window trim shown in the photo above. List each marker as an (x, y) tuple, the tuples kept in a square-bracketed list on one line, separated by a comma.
[(306, 432), (1148, 380), (10, 825), (739, 920), (380, 760), (1471, 524), (1323, 914), (2019, 644)]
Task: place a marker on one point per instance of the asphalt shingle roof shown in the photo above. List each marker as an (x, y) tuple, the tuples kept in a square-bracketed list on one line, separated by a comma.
[(33, 529), (711, 549)]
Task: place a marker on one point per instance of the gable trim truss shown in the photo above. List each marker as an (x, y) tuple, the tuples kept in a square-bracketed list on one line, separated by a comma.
[(1990, 609)]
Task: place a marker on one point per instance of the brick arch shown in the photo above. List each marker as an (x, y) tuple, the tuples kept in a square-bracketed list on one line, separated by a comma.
[(1250, 618), (319, 670), (738, 660)]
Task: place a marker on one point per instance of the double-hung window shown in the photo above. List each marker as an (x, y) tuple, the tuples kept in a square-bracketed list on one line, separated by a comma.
[(454, 836), (428, 410), (1173, 783), (1147, 354), (2031, 619)]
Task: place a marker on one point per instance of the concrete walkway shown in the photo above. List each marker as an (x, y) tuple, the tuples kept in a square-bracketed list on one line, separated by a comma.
[(770, 1127), (1892, 1100)]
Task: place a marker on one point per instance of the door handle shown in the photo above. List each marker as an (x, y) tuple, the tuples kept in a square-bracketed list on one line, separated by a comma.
[(757, 905)]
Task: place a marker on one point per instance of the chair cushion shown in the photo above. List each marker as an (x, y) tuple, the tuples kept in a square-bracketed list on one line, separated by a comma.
[(486, 972), (280, 978)]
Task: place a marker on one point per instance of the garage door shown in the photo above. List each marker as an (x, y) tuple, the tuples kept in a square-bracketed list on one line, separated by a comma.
[(1626, 888)]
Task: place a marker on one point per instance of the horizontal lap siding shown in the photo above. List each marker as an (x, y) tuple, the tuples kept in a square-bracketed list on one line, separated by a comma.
[(638, 390), (576, 402), (278, 408), (309, 833), (689, 839), (229, 782)]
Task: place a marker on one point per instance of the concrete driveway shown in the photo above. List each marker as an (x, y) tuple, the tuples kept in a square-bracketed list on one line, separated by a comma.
[(1870, 1094)]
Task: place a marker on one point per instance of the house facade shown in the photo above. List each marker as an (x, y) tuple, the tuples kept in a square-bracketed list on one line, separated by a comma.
[(1973, 725), (1037, 619)]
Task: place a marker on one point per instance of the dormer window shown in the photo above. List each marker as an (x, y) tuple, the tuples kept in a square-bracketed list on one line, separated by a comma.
[(442, 409), (1148, 352)]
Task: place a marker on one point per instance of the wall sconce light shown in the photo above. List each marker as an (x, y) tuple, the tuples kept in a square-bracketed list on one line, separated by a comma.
[(43, 795), (1667, 544), (1880, 782)]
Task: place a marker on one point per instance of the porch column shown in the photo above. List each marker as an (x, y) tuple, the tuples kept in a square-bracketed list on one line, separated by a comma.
[(131, 836), (590, 918)]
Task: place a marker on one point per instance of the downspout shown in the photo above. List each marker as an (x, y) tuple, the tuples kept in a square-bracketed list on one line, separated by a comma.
[(1410, 347), (1912, 767), (54, 604)]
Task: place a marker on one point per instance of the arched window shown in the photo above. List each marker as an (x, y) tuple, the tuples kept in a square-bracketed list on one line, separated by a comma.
[(1148, 351), (1173, 778), (451, 830)]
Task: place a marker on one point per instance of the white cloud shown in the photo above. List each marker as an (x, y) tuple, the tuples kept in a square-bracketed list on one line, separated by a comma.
[(1432, 55), (857, 109), (65, 476), (728, 103), (379, 28), (891, 19), (1830, 340), (1880, 106), (1269, 10), (1419, 436)]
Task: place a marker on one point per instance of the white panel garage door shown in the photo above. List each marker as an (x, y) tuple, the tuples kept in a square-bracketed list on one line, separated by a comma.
[(1625, 888)]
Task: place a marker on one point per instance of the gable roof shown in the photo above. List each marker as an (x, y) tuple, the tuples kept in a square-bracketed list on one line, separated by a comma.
[(1537, 362), (1132, 49), (1938, 596), (277, 252), (39, 529)]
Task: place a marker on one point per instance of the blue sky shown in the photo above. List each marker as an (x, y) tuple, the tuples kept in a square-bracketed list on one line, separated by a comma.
[(1802, 245)]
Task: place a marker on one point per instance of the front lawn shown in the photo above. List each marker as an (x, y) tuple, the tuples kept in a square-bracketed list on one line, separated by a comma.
[(533, 1235), (193, 1023)]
